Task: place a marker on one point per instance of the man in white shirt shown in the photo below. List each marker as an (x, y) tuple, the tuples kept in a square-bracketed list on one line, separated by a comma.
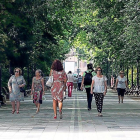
[(70, 81)]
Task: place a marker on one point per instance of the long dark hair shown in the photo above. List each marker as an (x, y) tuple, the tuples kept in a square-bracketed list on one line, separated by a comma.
[(57, 65)]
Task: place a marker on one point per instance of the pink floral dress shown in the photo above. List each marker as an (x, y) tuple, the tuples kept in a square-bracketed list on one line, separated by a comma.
[(58, 85)]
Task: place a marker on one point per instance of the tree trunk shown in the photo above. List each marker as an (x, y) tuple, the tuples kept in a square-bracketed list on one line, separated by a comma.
[(127, 75), (138, 72), (28, 77), (10, 69), (132, 84)]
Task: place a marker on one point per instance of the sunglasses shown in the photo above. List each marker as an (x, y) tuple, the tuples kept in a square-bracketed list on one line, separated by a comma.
[(17, 71), (98, 70), (121, 73)]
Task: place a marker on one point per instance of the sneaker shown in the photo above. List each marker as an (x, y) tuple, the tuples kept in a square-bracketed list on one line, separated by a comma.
[(89, 109), (100, 115)]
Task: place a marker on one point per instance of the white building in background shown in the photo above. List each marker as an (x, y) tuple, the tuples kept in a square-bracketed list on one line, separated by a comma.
[(71, 64)]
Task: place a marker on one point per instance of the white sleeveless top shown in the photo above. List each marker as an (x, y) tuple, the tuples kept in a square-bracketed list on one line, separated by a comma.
[(99, 84)]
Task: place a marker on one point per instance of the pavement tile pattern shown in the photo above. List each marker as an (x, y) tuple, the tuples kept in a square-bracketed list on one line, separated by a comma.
[(119, 121)]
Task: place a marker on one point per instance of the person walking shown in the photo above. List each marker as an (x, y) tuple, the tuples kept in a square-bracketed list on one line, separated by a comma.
[(121, 84), (15, 84), (58, 87), (86, 81), (100, 89), (37, 89), (79, 81), (70, 80)]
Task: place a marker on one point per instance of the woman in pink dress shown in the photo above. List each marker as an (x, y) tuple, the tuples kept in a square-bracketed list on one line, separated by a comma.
[(58, 87)]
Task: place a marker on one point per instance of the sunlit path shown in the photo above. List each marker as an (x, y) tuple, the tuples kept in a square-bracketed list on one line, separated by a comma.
[(119, 120)]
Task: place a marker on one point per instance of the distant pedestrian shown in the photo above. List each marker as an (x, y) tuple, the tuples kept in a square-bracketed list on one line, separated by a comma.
[(79, 81), (58, 87), (86, 82), (15, 85), (121, 84), (70, 80), (37, 89), (112, 81), (100, 89)]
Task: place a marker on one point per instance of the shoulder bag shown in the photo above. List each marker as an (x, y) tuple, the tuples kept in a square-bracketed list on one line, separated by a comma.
[(50, 81), (21, 88)]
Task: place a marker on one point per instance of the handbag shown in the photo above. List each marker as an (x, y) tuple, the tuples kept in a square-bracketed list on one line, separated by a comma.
[(50, 81), (21, 88)]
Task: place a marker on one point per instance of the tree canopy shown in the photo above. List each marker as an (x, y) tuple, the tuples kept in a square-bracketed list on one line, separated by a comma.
[(35, 32)]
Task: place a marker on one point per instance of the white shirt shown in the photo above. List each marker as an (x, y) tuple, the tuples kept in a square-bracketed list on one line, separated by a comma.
[(99, 84), (121, 82), (70, 78)]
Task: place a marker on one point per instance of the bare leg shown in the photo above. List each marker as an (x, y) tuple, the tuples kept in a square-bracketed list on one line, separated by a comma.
[(18, 105), (60, 105), (60, 109), (122, 97), (119, 98), (13, 107), (38, 107), (55, 107), (36, 104)]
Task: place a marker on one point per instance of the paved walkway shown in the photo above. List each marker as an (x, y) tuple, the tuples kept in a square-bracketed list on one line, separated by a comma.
[(120, 121)]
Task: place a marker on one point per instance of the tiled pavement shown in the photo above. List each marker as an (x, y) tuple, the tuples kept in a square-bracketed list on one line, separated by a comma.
[(120, 121)]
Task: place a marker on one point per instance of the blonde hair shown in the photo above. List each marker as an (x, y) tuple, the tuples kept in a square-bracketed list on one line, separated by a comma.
[(121, 72), (20, 71)]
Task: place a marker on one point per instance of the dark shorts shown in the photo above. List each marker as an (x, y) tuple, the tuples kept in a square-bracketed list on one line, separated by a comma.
[(120, 91)]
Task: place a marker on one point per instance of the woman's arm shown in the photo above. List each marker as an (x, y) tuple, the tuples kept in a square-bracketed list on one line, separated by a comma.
[(65, 83), (105, 88), (32, 88), (116, 84), (9, 84), (92, 84), (82, 84), (50, 73), (24, 82), (42, 81)]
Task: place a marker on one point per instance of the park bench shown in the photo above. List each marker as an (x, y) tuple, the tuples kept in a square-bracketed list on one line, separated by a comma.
[(133, 90), (5, 92)]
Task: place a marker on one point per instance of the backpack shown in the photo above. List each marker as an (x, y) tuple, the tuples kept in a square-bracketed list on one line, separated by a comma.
[(88, 78)]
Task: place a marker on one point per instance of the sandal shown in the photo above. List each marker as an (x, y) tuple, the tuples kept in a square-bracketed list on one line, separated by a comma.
[(37, 111), (55, 117), (100, 115), (13, 111), (60, 114), (18, 112)]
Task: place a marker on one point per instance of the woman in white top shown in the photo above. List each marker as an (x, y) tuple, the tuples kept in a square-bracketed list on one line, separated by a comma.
[(70, 80), (121, 84), (99, 82)]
